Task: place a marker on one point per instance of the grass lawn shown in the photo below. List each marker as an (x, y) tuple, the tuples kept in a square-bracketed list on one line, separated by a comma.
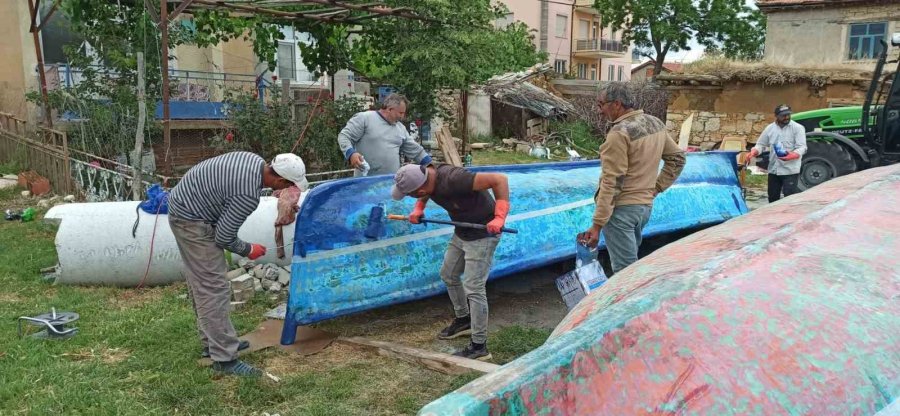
[(136, 352)]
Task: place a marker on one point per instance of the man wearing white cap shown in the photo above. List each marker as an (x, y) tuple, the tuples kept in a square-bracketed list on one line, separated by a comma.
[(467, 262), (206, 209), (787, 139)]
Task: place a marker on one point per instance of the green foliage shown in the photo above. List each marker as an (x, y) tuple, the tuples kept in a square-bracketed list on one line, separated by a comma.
[(106, 127), (271, 129), (579, 134), (116, 32), (658, 27)]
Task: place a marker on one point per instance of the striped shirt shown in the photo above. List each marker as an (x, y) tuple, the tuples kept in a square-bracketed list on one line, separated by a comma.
[(222, 191)]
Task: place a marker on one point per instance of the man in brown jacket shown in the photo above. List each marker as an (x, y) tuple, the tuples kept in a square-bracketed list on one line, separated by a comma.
[(630, 177)]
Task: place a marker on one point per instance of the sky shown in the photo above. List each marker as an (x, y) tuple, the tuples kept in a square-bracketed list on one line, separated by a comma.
[(696, 49)]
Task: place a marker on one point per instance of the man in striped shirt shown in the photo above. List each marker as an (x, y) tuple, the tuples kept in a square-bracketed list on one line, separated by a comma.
[(206, 209)]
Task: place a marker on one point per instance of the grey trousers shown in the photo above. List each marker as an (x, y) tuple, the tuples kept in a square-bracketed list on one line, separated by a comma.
[(622, 234), (465, 272), (204, 270)]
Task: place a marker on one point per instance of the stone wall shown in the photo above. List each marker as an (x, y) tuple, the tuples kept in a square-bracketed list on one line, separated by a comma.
[(744, 108), (709, 128)]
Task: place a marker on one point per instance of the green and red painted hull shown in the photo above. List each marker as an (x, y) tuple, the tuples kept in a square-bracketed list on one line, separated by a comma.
[(791, 309)]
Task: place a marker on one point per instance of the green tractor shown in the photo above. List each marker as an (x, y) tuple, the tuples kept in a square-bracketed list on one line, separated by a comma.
[(844, 140)]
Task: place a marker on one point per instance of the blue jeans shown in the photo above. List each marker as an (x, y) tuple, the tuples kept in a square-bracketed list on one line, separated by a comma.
[(467, 265), (622, 234)]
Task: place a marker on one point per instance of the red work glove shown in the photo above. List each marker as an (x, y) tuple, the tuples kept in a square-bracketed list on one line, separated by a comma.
[(256, 251), (418, 212), (753, 153), (501, 209), (790, 156)]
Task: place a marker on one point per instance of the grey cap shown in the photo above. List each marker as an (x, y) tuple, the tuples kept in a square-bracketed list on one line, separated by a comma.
[(408, 179), (782, 110)]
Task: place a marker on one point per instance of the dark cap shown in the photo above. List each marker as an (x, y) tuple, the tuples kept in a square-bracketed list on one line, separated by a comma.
[(782, 109)]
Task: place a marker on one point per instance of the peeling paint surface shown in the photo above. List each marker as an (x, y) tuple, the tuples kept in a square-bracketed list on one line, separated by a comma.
[(336, 270), (792, 309)]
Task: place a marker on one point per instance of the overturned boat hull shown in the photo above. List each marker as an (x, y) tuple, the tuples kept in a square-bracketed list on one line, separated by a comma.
[(791, 309), (336, 270)]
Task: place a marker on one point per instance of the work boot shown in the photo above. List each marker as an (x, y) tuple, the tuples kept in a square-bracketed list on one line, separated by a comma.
[(475, 351), (243, 345), (236, 368), (459, 327)]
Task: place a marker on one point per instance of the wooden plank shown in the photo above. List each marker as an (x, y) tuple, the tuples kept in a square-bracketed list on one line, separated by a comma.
[(442, 363), (448, 146)]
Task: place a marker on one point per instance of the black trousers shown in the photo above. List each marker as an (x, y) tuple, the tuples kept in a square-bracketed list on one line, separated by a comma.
[(779, 184)]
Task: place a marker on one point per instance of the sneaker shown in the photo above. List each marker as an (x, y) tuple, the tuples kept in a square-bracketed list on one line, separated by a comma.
[(236, 368), (458, 328), (243, 345), (475, 351)]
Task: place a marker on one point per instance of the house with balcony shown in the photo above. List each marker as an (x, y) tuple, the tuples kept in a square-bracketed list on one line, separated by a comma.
[(817, 33), (598, 52), (573, 35)]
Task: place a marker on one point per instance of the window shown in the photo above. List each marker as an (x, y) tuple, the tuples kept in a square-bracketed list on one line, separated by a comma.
[(560, 66), (562, 23), (610, 72), (864, 40), (635, 55), (286, 60), (621, 72), (582, 71), (593, 72), (504, 21), (583, 28)]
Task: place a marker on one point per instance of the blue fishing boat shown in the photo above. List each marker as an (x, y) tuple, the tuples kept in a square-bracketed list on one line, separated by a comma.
[(337, 270)]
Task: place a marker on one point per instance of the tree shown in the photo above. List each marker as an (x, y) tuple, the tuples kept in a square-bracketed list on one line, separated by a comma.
[(658, 27), (455, 47)]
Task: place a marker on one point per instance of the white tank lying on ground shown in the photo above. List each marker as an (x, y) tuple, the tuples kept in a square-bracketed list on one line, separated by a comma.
[(95, 245)]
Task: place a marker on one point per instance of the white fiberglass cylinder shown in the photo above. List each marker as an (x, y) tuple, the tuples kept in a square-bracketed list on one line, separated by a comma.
[(95, 246)]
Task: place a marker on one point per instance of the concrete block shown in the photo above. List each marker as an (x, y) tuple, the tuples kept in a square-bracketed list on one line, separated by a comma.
[(233, 274), (257, 285), (271, 272), (276, 287), (265, 283), (243, 282), (242, 295), (258, 271), (246, 263), (284, 278), (237, 305)]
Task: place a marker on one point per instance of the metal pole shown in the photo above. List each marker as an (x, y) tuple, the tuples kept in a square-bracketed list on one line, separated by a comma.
[(164, 63), (48, 116)]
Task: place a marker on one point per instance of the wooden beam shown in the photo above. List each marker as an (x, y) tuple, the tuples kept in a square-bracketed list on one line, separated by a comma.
[(46, 18), (371, 9), (440, 362), (154, 15), (184, 4), (260, 10)]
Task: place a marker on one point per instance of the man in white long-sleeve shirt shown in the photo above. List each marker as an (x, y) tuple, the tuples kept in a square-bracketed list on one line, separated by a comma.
[(379, 138), (788, 138)]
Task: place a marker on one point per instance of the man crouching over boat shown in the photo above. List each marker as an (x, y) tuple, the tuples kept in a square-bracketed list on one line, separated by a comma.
[(206, 209), (471, 250)]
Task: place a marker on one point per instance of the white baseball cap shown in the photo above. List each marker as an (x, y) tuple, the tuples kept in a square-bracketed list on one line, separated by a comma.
[(292, 168)]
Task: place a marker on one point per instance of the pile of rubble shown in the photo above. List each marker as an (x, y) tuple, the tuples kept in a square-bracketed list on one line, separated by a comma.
[(250, 278)]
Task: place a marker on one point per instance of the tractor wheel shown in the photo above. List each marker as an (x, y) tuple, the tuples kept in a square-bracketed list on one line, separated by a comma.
[(824, 161)]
